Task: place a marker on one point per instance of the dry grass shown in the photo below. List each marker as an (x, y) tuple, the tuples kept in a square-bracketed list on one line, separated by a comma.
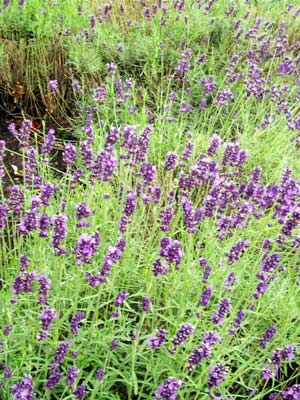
[(27, 68)]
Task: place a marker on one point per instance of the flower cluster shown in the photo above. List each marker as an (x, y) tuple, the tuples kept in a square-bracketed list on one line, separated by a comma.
[(168, 390), (203, 350)]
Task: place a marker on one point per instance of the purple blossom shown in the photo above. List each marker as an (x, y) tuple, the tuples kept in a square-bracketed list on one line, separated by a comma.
[(47, 191), (230, 280), (23, 282), (111, 67), (53, 86), (263, 285), (23, 390), (121, 298), (7, 374), (114, 253), (76, 86), (168, 390), (148, 172), (208, 84), (47, 317), (23, 133), (111, 138), (80, 392), (203, 350), (185, 108), (158, 340), (43, 224), (16, 200), (24, 263), (171, 250), (100, 373), (99, 94), (236, 251), (49, 142), (187, 151), (268, 336), (86, 247), (4, 209), (2, 152), (183, 334), (172, 96), (165, 219), (270, 262), (171, 161), (75, 321), (114, 344), (276, 357), (137, 146), (7, 329), (215, 143), (75, 178), (233, 155), (182, 67), (82, 211), (205, 297), (160, 267), (45, 286), (104, 166), (223, 310), (72, 375), (255, 84), (223, 97), (192, 217), (60, 232), (69, 154), (239, 318), (146, 303), (203, 263), (130, 206), (291, 393), (30, 167), (61, 351), (217, 374)]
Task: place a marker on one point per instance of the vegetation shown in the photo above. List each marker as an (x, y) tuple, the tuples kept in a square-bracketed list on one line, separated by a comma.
[(159, 259)]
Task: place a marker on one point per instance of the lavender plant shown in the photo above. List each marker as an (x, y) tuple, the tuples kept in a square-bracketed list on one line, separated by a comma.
[(162, 261)]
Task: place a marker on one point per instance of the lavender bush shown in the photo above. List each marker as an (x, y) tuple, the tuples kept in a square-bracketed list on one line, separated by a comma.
[(162, 261)]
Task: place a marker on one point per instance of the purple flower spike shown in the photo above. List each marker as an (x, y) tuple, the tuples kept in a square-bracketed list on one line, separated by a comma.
[(291, 393), (23, 390), (268, 336), (72, 375), (70, 153), (80, 392), (205, 297), (114, 344), (86, 247), (47, 317), (158, 340), (146, 303), (7, 330), (183, 334), (75, 321), (100, 373), (171, 250), (55, 375), (168, 390), (53, 86), (121, 298), (218, 373)]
